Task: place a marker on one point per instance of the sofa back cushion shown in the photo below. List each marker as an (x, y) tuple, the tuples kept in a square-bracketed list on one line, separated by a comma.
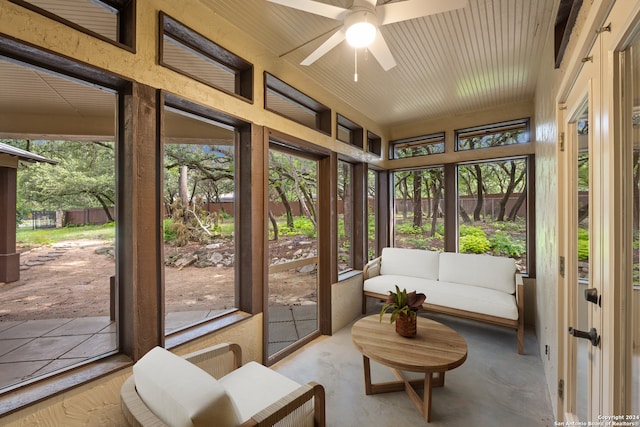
[(410, 262), (478, 270), (180, 393)]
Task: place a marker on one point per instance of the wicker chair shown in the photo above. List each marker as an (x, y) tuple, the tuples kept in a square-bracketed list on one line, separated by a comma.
[(301, 406)]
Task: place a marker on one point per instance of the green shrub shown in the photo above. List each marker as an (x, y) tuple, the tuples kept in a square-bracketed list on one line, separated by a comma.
[(408, 228), (169, 233), (301, 225), (469, 230), (474, 244), (583, 244), (503, 244)]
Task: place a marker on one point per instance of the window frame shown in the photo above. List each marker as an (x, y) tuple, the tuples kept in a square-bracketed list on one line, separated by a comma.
[(125, 11)]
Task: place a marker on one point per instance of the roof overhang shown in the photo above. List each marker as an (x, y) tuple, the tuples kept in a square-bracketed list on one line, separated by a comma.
[(26, 156)]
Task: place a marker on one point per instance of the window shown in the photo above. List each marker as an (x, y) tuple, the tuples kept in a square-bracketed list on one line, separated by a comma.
[(419, 208), (419, 146), (496, 135), (61, 312), (289, 102), (374, 144), (345, 216), (199, 223), (492, 209), (187, 52), (109, 20), (349, 132)]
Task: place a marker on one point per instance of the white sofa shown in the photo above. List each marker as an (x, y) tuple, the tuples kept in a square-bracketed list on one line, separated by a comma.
[(480, 287)]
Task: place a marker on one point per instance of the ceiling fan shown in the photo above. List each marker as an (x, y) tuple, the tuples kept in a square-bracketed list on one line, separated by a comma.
[(362, 22)]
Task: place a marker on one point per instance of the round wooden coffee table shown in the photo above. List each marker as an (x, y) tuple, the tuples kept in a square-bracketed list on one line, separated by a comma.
[(435, 349)]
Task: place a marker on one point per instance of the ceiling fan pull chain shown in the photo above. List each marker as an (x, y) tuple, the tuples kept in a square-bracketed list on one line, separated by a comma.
[(355, 75)]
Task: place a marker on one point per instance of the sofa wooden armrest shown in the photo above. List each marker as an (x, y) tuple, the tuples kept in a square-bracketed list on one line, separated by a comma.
[(372, 268), (520, 304)]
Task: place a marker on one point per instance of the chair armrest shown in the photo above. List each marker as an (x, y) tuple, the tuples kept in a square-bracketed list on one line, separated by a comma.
[(206, 359), (288, 406), (372, 268)]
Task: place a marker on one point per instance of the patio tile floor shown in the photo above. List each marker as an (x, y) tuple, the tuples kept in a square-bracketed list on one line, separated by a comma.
[(33, 348)]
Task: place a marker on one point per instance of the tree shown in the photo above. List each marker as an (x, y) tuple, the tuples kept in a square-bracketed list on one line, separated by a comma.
[(84, 176)]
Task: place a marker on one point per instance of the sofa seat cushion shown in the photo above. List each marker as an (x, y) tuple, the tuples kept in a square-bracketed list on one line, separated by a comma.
[(409, 262), (253, 387), (453, 295), (180, 393), (474, 299), (479, 270)]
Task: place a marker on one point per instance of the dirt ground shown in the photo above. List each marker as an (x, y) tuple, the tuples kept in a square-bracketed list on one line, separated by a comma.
[(71, 279)]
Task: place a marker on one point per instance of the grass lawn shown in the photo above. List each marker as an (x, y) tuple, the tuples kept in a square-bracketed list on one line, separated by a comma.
[(48, 236)]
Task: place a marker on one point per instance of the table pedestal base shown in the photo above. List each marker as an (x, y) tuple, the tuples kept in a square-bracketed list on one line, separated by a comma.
[(431, 379)]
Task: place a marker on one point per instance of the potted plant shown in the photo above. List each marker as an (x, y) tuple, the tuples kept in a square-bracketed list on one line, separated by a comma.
[(405, 310)]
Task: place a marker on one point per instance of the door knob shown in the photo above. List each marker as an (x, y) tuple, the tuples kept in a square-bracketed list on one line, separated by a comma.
[(592, 335), (591, 295)]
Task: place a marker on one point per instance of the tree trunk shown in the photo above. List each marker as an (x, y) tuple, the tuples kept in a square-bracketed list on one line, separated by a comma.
[(104, 207), (436, 207), (516, 207), (285, 203), (480, 191), (274, 223), (183, 191), (417, 198), (465, 216)]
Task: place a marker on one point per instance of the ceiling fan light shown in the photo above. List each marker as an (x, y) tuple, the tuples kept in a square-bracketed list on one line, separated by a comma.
[(361, 34)]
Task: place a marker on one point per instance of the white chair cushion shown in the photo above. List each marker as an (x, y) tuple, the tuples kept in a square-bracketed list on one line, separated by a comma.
[(479, 270), (253, 387), (410, 262), (180, 393)]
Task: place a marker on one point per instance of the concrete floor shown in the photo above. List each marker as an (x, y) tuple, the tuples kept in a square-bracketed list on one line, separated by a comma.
[(494, 387)]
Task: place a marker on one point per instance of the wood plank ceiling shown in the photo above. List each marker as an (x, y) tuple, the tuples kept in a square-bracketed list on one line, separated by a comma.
[(484, 55)]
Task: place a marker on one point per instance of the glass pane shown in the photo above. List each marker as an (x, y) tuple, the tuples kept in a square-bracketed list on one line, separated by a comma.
[(61, 310), (192, 63), (199, 224), (581, 315), (345, 216), (293, 253), (421, 146), (85, 13), (419, 209), (492, 209), (506, 133), (372, 214)]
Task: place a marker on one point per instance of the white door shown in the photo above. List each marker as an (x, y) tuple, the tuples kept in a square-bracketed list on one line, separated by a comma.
[(580, 211)]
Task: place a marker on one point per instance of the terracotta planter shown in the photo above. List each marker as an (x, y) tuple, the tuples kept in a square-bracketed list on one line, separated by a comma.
[(406, 326)]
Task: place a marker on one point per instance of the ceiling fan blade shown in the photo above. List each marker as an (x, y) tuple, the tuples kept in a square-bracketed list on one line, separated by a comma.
[(322, 9), (409, 9), (325, 47), (381, 51)]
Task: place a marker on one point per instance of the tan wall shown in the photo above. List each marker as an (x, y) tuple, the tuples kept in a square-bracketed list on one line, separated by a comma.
[(346, 302)]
